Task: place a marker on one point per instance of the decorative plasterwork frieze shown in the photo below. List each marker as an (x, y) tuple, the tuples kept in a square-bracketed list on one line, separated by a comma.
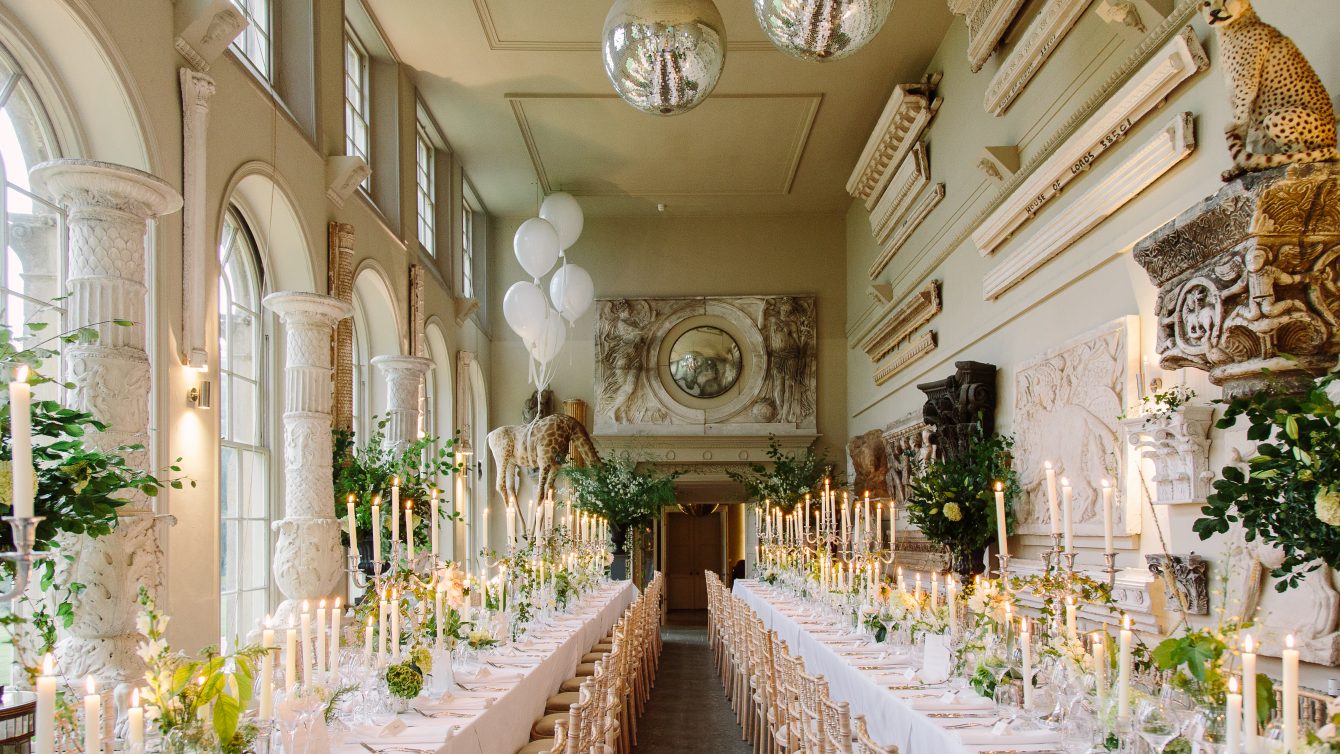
[(899, 325), (418, 318), (1131, 595), (340, 285), (1177, 444), (911, 178), (915, 216), (1178, 61), (905, 117), (209, 32), (1172, 145), (1044, 34), (987, 22), (903, 358), (197, 253)]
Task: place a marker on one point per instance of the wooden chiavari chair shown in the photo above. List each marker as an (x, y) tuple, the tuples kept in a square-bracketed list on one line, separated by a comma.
[(836, 725), (862, 743)]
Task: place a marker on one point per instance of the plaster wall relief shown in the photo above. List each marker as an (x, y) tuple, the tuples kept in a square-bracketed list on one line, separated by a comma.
[(418, 319), (1176, 449), (1248, 276), (1043, 36), (904, 357), (899, 322), (1066, 404), (208, 32), (904, 119), (907, 446), (958, 404), (108, 208), (641, 389), (340, 285), (1309, 611), (912, 177), (198, 254), (870, 462)]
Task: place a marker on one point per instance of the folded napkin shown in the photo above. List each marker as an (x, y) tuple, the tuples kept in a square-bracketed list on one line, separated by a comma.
[(949, 701), (489, 675), (1008, 739)]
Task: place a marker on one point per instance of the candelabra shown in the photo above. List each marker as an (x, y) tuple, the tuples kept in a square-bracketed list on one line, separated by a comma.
[(24, 556), (1004, 569), (1111, 558)]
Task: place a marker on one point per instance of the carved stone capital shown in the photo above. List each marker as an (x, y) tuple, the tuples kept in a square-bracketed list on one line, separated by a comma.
[(1248, 284), (343, 174), (1190, 577), (1178, 446), (404, 389), (958, 402), (84, 187), (205, 35)]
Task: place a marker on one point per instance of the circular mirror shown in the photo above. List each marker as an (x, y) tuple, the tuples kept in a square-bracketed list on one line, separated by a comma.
[(705, 362)]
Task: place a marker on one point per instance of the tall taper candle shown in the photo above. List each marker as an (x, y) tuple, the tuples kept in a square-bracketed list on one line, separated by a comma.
[(1053, 508), (320, 627), (377, 528), (1100, 669), (21, 442), (395, 510), (336, 618), (351, 523), (433, 530), (1289, 710), (92, 719), (265, 708), (1107, 517), (409, 529), (305, 621), (44, 740), (1026, 645), (1233, 718), (1124, 670), (291, 654), (135, 724), (1067, 508), (1001, 532), (1249, 739)]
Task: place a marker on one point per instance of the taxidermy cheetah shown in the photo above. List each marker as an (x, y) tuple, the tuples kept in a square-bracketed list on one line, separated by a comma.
[(1280, 111)]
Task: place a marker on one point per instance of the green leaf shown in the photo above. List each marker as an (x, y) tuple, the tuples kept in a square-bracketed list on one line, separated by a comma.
[(227, 711)]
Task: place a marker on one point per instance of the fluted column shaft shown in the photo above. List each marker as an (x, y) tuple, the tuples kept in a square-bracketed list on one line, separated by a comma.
[(404, 391), (107, 212), (308, 559)]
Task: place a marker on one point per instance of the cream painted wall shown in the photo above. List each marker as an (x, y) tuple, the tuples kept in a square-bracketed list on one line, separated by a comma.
[(683, 256), (247, 128), (1093, 282)]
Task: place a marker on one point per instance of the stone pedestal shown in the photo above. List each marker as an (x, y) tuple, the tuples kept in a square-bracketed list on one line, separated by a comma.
[(1249, 277), (404, 391), (308, 561), (107, 212)]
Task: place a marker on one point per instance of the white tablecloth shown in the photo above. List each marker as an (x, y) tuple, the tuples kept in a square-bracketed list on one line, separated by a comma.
[(504, 727), (890, 719)]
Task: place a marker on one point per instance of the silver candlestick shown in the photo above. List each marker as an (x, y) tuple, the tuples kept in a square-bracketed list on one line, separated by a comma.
[(1004, 566), (24, 556), (1111, 558), (1069, 561)]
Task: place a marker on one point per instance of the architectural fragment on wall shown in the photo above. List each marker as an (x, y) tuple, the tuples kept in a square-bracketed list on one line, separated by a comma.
[(404, 396), (999, 163), (340, 285), (898, 324), (1309, 611), (1177, 447), (418, 319), (1132, 595), (198, 254), (776, 388), (907, 442), (1123, 183), (905, 117), (209, 32), (343, 174), (107, 212), (911, 178), (915, 216), (987, 22), (1121, 12), (1179, 60), (904, 357), (870, 464), (1066, 404), (1247, 282), (1044, 34), (958, 404), (1188, 576)]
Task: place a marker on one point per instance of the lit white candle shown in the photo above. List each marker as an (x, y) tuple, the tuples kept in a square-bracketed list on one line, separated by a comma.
[(382, 638), (395, 507), (438, 614), (433, 529), (1071, 609), (92, 718), (291, 654), (1124, 670), (1233, 718), (935, 591), (1289, 711), (44, 740), (1107, 517), (321, 653), (306, 622), (395, 623), (1026, 645), (21, 442), (1249, 738), (1052, 506), (351, 523), (1100, 668), (409, 529), (265, 710), (336, 618), (879, 525), (376, 528), (1067, 506), (1001, 533), (135, 723), (951, 602), (367, 641)]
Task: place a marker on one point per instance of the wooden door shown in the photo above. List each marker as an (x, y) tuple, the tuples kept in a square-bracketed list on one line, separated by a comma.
[(692, 546)]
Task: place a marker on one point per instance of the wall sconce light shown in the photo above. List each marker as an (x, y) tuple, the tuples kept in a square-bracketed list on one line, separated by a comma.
[(200, 396)]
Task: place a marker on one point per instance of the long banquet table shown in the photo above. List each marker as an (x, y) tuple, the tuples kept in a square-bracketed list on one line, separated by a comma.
[(890, 717), (504, 725)]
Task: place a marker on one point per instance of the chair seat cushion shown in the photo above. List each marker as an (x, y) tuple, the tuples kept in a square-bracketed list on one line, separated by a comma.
[(561, 701), (593, 657), (537, 747), (572, 684), (544, 727), (603, 646), (586, 669)]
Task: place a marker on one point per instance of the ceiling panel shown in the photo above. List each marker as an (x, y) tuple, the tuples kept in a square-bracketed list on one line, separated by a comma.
[(516, 25), (599, 146)]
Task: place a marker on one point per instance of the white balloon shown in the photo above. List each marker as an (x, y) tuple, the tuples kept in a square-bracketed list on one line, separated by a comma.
[(565, 214), (523, 308), (536, 246), (551, 338), (572, 291)]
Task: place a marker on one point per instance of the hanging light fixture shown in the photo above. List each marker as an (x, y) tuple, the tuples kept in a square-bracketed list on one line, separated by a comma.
[(821, 30), (664, 56)]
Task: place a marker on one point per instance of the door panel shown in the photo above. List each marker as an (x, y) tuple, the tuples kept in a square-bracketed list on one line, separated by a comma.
[(693, 546)]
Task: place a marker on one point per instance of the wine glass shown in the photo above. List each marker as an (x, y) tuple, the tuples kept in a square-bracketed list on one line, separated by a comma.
[(1009, 700), (1079, 732), (1156, 725)]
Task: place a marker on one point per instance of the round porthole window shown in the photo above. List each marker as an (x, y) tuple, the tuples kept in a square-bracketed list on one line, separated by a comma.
[(705, 362)]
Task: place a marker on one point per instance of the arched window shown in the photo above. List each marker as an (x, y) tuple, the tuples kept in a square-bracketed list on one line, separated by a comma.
[(244, 456)]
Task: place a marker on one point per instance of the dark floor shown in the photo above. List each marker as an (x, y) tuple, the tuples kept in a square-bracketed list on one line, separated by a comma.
[(688, 712)]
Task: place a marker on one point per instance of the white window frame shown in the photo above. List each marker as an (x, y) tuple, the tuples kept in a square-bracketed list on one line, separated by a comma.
[(357, 114), (425, 188), (467, 250), (256, 42)]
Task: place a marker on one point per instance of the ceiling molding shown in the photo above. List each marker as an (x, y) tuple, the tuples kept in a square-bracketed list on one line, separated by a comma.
[(496, 42), (518, 101)]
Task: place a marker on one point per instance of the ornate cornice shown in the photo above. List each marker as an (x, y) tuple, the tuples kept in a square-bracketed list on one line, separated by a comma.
[(987, 21), (1044, 34), (905, 117), (903, 358), (915, 217), (908, 182), (899, 325)]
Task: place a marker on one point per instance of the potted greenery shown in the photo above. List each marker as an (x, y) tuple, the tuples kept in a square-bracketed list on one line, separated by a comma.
[(367, 470), (1291, 483), (623, 494), (790, 478), (952, 499)]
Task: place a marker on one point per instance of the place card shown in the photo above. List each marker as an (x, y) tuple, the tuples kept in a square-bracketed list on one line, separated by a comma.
[(393, 728)]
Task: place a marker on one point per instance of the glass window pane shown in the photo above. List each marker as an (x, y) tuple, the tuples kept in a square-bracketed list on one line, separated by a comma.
[(255, 556), (228, 547), (245, 417), (256, 498), (255, 606), (229, 482)]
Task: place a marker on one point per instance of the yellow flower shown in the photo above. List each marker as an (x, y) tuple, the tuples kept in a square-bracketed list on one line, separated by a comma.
[(953, 512), (1328, 505)]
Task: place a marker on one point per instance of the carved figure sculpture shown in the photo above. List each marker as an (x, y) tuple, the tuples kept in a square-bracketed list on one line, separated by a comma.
[(623, 330), (788, 336), (957, 403), (871, 463), (1280, 110), (541, 446)]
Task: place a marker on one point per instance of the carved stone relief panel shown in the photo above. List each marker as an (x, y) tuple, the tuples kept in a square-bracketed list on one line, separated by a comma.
[(638, 388), (340, 284), (1066, 404), (908, 445), (1309, 611), (870, 461)]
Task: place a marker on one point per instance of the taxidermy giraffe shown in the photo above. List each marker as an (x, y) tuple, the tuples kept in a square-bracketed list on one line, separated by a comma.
[(542, 445)]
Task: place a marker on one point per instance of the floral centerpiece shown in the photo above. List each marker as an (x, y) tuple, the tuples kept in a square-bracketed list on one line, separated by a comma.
[(790, 478), (1289, 496), (621, 492), (952, 499)]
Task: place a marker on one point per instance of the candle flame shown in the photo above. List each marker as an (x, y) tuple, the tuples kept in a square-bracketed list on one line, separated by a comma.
[(1000, 486), (1098, 637), (351, 497), (409, 505), (1126, 622), (1288, 641), (48, 665), (338, 602), (434, 493), (135, 698), (92, 685), (321, 605), (305, 606), (1247, 644), (1233, 684), (1065, 481), (1105, 484), (1047, 465), (376, 501), (395, 481)]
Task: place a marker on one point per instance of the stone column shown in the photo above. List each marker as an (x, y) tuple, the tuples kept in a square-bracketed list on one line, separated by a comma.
[(309, 561), (107, 211), (340, 243), (33, 239), (404, 391)]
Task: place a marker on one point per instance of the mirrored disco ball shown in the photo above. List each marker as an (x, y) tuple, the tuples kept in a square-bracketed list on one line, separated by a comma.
[(821, 30), (664, 56)]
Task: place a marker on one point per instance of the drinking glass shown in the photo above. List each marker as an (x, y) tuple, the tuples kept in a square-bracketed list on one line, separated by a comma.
[(1156, 725), (1009, 700), (1079, 733)]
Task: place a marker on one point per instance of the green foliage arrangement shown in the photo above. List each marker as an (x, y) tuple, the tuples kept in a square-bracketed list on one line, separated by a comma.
[(953, 500), (1291, 485), (1203, 663), (366, 470), (619, 491), (404, 680), (788, 481)]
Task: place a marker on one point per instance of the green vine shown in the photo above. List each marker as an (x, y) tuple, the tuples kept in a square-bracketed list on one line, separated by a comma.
[(790, 478)]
